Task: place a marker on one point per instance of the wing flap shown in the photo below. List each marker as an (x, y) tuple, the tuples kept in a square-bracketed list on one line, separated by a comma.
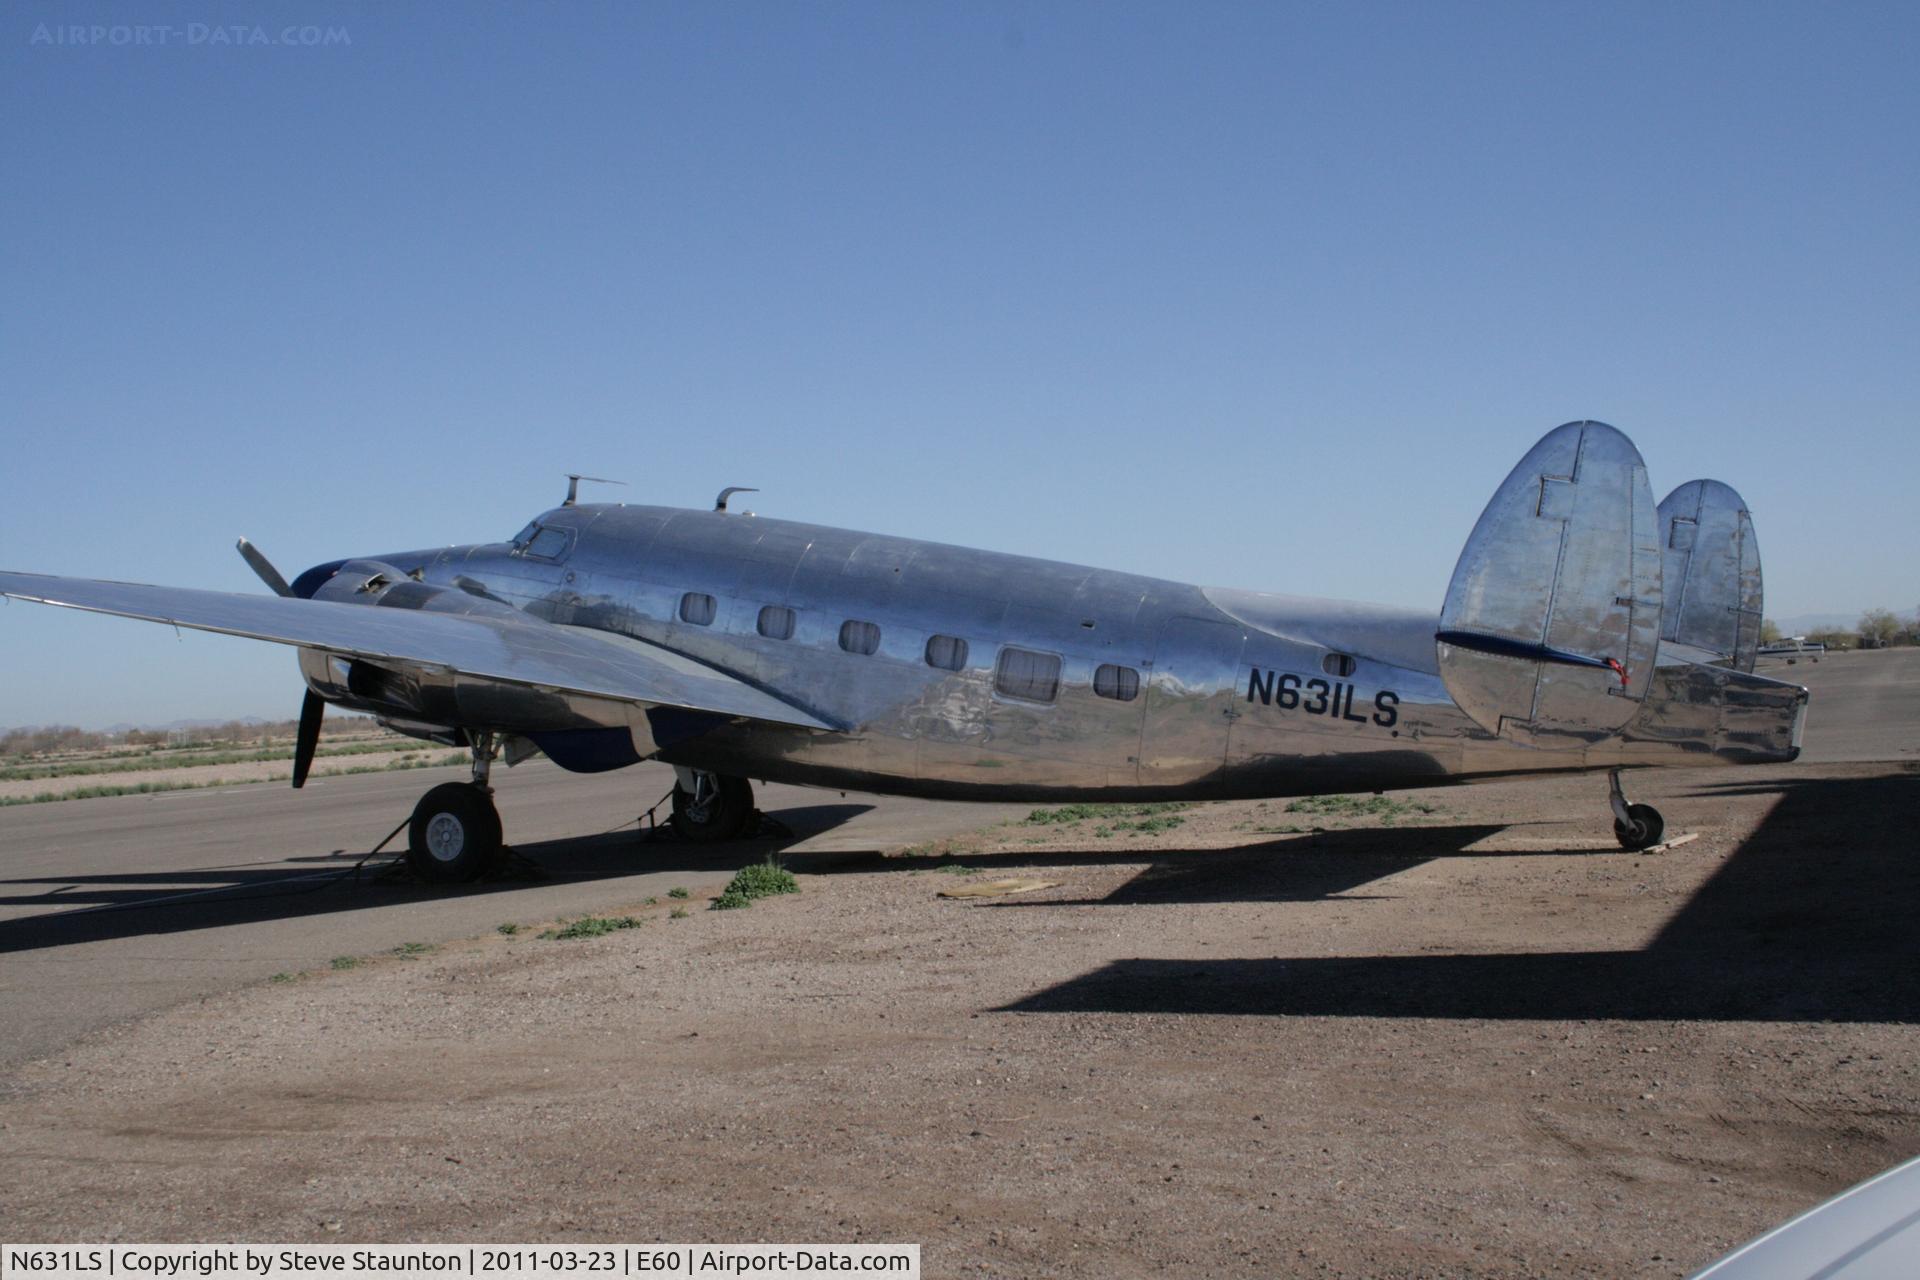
[(518, 650)]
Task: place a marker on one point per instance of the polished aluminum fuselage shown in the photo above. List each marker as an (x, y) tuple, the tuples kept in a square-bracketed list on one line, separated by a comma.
[(1240, 693)]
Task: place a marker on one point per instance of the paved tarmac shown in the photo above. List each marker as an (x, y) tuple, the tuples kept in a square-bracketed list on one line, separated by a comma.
[(117, 907), (1865, 705)]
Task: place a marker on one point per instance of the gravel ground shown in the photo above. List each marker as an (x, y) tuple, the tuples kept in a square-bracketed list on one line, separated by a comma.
[(1476, 1040)]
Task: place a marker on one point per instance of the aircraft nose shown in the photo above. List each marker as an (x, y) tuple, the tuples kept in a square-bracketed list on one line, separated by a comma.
[(311, 581)]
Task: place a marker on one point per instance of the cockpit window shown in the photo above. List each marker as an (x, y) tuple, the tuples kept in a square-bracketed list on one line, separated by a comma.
[(522, 538), (547, 543)]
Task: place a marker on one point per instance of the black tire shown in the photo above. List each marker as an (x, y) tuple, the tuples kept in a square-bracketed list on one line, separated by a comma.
[(455, 834), (1645, 832), (725, 815)]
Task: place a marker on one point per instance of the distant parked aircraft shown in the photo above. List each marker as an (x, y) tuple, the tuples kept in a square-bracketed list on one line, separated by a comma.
[(1793, 645)]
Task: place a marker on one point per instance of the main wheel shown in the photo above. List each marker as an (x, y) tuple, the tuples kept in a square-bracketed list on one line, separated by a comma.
[(1645, 830), (454, 835), (717, 809)]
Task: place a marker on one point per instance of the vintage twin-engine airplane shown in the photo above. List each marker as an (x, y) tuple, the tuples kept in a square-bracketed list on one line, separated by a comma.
[(1583, 629)]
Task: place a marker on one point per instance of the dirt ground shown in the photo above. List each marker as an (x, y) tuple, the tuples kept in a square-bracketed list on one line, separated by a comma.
[(1478, 1040), (186, 765), (214, 775)]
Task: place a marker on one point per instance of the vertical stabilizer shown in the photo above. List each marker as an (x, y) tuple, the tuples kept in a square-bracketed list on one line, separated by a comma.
[(1710, 567), (1551, 623)]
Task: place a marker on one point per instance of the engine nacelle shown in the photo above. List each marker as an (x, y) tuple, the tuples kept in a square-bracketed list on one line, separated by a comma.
[(376, 582)]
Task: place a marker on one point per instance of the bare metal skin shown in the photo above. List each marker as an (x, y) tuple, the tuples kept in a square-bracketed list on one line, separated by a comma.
[(735, 647)]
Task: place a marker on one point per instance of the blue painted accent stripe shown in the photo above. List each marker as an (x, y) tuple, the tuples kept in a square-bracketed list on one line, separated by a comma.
[(587, 750)]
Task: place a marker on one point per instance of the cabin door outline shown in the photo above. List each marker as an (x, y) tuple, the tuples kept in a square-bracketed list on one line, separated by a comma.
[(1190, 701)]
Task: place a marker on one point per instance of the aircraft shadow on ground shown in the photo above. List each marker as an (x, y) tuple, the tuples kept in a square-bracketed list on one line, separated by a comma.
[(1302, 868), (1295, 868), (139, 904), (1811, 919)]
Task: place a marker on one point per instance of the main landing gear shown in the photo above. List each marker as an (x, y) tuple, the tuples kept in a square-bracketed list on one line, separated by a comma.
[(1635, 826), (455, 832), (709, 807)]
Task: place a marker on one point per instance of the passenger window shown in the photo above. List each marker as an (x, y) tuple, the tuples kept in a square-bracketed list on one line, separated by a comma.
[(949, 653), (776, 622), (1021, 673), (1122, 684), (697, 608), (859, 637), (1337, 664), (548, 543)]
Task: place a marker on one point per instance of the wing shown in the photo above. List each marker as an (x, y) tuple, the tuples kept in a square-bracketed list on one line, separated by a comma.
[(513, 649)]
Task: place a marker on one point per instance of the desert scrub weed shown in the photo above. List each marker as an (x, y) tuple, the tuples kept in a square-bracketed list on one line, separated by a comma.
[(761, 880), (591, 927), (1361, 807), (156, 788), (345, 962), (677, 892), (508, 929), (1082, 812), (181, 759), (678, 913), (98, 793)]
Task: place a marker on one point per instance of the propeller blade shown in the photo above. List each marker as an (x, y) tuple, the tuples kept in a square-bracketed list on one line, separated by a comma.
[(311, 709), (264, 567)]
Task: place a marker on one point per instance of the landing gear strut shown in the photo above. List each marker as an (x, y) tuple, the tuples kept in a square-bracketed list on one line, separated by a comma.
[(709, 807), (455, 832), (1635, 826)]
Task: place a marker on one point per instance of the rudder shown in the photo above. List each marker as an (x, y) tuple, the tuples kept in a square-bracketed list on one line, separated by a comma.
[(1551, 622), (1710, 570)]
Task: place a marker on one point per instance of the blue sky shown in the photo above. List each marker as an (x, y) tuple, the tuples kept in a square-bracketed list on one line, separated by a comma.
[(1259, 295)]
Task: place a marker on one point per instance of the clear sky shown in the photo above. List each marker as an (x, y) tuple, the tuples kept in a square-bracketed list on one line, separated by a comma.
[(1256, 295)]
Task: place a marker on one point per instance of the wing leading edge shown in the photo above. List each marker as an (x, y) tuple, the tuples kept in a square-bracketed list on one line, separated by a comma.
[(518, 650)]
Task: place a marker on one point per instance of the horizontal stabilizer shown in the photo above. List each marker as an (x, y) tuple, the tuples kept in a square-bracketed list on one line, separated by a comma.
[(1715, 713), (1710, 574), (1551, 621)]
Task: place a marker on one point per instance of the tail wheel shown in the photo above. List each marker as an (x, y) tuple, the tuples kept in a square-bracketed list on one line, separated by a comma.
[(1643, 829), (718, 808), (454, 835)]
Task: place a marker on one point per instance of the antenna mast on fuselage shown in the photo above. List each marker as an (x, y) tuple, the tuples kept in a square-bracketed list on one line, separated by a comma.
[(573, 486)]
